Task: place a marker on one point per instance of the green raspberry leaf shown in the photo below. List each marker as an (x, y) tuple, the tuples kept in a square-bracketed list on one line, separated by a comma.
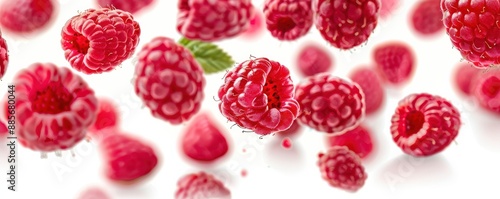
[(211, 58)]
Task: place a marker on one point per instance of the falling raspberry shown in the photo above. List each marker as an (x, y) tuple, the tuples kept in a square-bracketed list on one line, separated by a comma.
[(288, 20), (201, 185), (387, 7), (107, 116), (256, 25), (395, 62), (463, 77), (427, 17), (286, 143), (4, 56), (313, 59), (94, 193), (371, 85), (132, 6), (26, 16), (486, 90), (358, 140), (342, 169)]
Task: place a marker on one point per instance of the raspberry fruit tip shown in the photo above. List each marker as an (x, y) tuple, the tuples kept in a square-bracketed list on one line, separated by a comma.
[(288, 20), (98, 40), (424, 124), (23, 17), (4, 56), (201, 185), (342, 169), (258, 95)]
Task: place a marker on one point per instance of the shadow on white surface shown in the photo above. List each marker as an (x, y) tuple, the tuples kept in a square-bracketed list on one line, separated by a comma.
[(485, 126), (284, 159)]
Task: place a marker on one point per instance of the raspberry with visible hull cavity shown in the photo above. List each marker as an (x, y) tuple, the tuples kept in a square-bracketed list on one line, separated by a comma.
[(288, 20), (106, 117), (201, 185), (371, 85), (463, 77), (4, 56), (258, 95), (98, 40), (342, 169), (395, 62), (132, 6), (358, 140), (427, 17), (313, 59), (486, 90), (26, 16)]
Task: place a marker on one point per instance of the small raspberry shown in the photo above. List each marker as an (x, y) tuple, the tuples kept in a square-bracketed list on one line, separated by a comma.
[(26, 16), (288, 20), (487, 90), (293, 130), (201, 185), (94, 193), (313, 59), (209, 20), (371, 85), (286, 143), (98, 40), (424, 124), (330, 104), (4, 56), (54, 107), (346, 24), (387, 7), (426, 17), (169, 80), (395, 62), (132, 6), (258, 95), (342, 169), (463, 77), (203, 140), (358, 140), (107, 116), (256, 25)]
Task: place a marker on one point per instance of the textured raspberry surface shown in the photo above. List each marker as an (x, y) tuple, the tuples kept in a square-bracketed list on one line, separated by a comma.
[(463, 77), (132, 6), (203, 139), (473, 29), (346, 24), (94, 193), (293, 130), (4, 56), (209, 20), (288, 20), (342, 169), (395, 62), (169, 80), (201, 185), (313, 59), (424, 124), (427, 17), (330, 104), (3, 129), (54, 107), (26, 16), (370, 83), (387, 7), (258, 95), (98, 40), (106, 117), (358, 140), (487, 90)]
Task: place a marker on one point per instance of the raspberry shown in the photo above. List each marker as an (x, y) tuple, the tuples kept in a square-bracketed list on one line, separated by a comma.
[(371, 85), (203, 140), (107, 116), (346, 24), (463, 77), (209, 21), (54, 107), (26, 16), (201, 185), (487, 90), (256, 25), (330, 104), (286, 143), (313, 59), (127, 158), (387, 7), (293, 130), (473, 29), (132, 6), (94, 193), (258, 95), (426, 17), (395, 62), (288, 20), (98, 40), (424, 124), (342, 169), (3, 129), (169, 80), (357, 140), (4, 56)]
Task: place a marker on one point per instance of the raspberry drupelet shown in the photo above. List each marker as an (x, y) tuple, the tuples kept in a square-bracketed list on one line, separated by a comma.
[(288, 20)]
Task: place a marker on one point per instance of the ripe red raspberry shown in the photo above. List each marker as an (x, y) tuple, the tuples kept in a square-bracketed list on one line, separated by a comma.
[(395, 62), (313, 59), (201, 185), (370, 83), (54, 107), (169, 80), (4, 56), (132, 6), (209, 21), (424, 124), (203, 139), (387, 7), (94, 193), (358, 140), (288, 20), (26, 16), (487, 90), (330, 104), (473, 29), (98, 40), (426, 17), (258, 95), (346, 24), (342, 168), (106, 117), (463, 77), (293, 130)]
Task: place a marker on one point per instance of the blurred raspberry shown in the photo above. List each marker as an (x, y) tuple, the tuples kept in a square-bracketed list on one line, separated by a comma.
[(26, 16), (313, 59), (427, 17), (387, 7), (286, 143), (132, 6), (358, 140), (342, 169), (288, 20), (487, 90), (371, 85), (107, 116), (201, 185), (94, 193), (395, 62), (256, 25), (463, 77)]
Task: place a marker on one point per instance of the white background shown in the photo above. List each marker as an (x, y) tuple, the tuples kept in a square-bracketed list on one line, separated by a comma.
[(467, 168)]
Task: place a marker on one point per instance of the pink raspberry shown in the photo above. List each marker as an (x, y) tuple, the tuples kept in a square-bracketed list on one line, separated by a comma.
[(26, 16), (258, 95), (54, 107), (98, 40), (4, 56), (132, 6), (94, 193), (209, 21), (330, 104), (313, 59), (426, 17), (342, 169), (424, 124), (107, 116), (169, 80), (371, 85), (288, 20), (473, 29), (395, 62), (346, 24), (486, 90), (387, 7), (201, 185), (463, 77), (358, 140)]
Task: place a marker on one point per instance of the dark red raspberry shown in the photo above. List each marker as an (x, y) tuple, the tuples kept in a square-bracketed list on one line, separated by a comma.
[(132, 6), (288, 20), (313, 59), (203, 139), (201, 185), (342, 169), (427, 17), (395, 62), (107, 116), (293, 130), (486, 90), (258, 95), (98, 40), (463, 77), (209, 20), (26, 16), (330, 104), (358, 140), (371, 85), (473, 29), (4, 56), (424, 124), (94, 193), (346, 24), (169, 80), (54, 107), (387, 7)]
